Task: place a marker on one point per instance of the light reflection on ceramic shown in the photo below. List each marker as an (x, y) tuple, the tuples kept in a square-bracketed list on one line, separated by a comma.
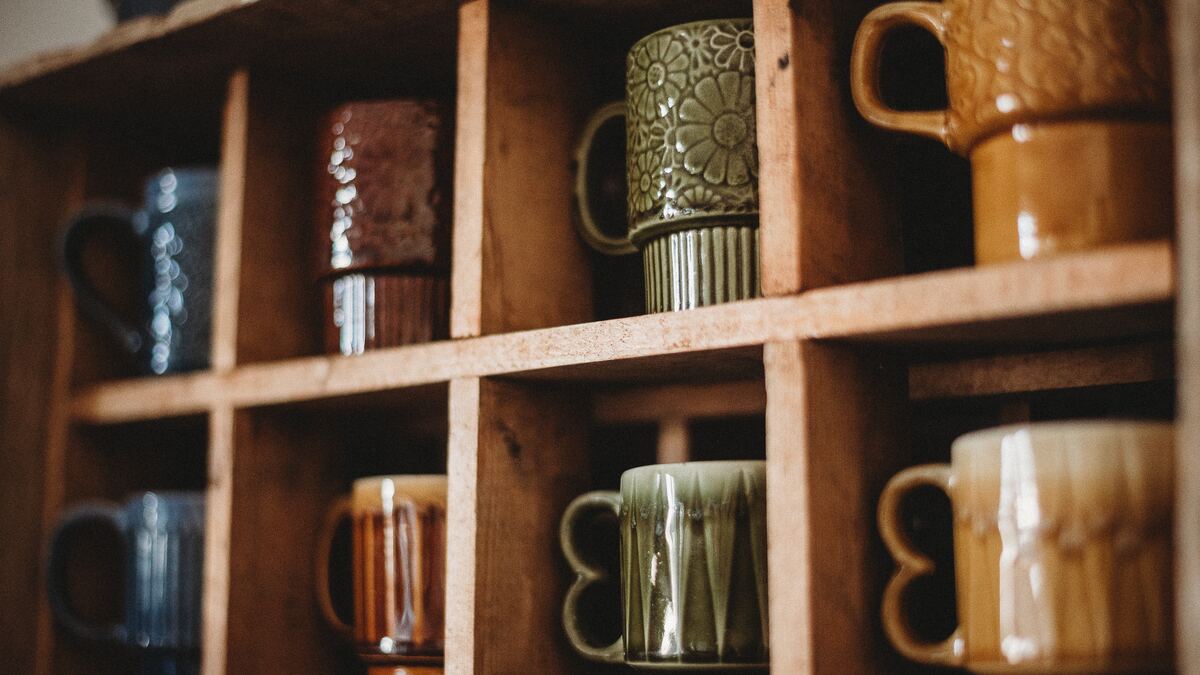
[(174, 233), (162, 535)]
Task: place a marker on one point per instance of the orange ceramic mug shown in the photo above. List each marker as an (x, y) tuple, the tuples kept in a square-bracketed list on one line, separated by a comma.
[(1062, 107), (399, 539)]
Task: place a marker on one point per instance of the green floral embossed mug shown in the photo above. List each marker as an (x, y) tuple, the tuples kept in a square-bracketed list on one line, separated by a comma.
[(691, 165), (693, 566)]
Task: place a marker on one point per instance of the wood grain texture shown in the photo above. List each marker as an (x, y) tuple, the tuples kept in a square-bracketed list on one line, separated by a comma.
[(231, 205), (1106, 294), (1185, 16), (529, 451), (670, 401), (824, 184), (1042, 371), (470, 151), (218, 522), (835, 434), (534, 271)]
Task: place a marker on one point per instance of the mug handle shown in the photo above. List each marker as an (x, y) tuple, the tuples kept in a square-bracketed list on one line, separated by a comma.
[(79, 230), (339, 511), (911, 565), (103, 513), (864, 68), (589, 229), (586, 575)]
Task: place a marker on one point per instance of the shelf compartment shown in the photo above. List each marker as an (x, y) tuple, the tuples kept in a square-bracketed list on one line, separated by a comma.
[(1085, 298)]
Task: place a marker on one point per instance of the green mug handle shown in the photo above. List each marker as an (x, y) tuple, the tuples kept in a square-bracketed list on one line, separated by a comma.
[(589, 229), (586, 575)]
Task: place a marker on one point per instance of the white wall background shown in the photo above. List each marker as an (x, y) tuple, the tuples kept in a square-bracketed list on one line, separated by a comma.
[(31, 26)]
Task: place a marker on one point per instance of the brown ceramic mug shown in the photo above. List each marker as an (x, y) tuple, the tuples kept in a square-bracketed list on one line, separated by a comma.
[(383, 223), (398, 526), (1062, 549), (1062, 107)]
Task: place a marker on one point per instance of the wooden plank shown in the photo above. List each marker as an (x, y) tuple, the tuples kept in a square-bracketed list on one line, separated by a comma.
[(462, 469), (1185, 16), (822, 181), (533, 270), (218, 522), (657, 402), (1042, 371), (231, 201), (674, 440), (516, 465), (1102, 295), (835, 434)]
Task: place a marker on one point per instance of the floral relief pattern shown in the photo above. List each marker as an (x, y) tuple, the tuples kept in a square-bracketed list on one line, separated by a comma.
[(691, 125)]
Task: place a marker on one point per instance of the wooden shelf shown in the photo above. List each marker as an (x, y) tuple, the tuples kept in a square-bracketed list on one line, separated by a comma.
[(859, 362), (1106, 294)]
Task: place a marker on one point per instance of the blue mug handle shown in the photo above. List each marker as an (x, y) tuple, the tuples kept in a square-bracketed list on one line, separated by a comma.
[(88, 513), (79, 230)]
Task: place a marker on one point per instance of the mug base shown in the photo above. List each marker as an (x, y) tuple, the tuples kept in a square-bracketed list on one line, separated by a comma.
[(405, 670), (691, 666), (1043, 189), (374, 310), (701, 267)]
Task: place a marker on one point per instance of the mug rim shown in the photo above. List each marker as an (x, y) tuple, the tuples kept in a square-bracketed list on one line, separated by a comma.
[(982, 440), (714, 463), (687, 24)]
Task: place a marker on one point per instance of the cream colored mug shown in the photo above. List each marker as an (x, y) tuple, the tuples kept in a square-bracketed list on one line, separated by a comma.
[(1062, 549)]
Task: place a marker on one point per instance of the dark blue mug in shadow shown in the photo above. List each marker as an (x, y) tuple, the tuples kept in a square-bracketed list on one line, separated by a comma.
[(162, 537), (174, 234)]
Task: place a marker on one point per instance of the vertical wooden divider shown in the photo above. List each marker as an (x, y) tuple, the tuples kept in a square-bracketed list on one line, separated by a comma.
[(825, 214), (221, 439), (1185, 16), (517, 262), (835, 433), (518, 455)]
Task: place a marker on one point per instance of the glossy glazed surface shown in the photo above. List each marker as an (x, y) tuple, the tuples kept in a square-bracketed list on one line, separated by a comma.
[(369, 311), (693, 566), (1062, 542), (174, 232), (384, 186), (398, 526), (704, 266), (163, 538), (1062, 107)]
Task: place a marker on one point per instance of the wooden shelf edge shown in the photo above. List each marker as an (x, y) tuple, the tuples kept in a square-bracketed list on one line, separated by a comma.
[(993, 304), (124, 36)]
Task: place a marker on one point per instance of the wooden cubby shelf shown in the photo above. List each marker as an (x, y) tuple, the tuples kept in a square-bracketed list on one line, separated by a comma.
[(876, 343)]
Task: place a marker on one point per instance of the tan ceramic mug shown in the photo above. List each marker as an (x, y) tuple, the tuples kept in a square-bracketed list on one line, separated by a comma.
[(1062, 107), (399, 545), (1062, 549)]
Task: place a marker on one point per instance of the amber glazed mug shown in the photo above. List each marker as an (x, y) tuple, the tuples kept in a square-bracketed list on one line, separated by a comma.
[(1062, 549), (693, 566), (1062, 107), (383, 223), (691, 166), (399, 544)]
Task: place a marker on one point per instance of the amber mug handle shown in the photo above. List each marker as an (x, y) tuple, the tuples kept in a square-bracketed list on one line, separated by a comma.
[(586, 574), (338, 512), (864, 68), (585, 218), (911, 564)]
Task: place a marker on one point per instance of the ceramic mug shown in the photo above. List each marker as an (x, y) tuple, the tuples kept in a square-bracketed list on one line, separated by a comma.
[(163, 541), (174, 234), (383, 223), (398, 526), (1062, 548), (691, 165), (1061, 106), (693, 566)]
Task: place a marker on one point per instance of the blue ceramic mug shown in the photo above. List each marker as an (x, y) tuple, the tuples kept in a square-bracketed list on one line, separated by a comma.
[(173, 233), (162, 535)]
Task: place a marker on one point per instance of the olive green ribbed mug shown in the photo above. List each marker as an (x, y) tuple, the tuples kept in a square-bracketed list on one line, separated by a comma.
[(693, 566), (691, 165)]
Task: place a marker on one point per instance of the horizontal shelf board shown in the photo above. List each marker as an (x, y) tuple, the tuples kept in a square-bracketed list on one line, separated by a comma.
[(1043, 371), (153, 63), (1105, 294)]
